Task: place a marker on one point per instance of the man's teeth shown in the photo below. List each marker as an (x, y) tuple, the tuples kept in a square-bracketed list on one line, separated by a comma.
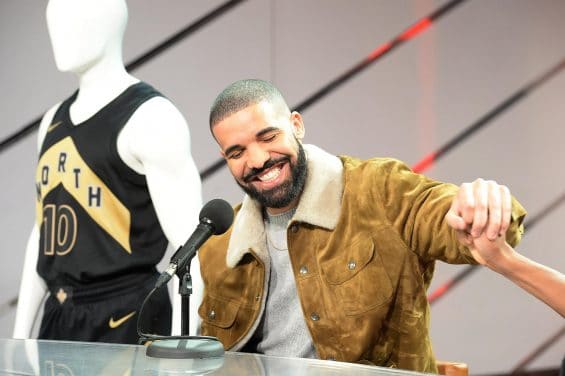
[(271, 175)]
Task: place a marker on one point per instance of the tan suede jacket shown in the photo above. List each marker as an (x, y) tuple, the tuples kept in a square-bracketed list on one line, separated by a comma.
[(362, 243)]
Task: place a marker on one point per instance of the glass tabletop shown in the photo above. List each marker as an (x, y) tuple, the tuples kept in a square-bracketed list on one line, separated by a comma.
[(60, 358)]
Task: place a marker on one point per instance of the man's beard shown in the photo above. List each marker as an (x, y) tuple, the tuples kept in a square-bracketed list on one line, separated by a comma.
[(282, 195)]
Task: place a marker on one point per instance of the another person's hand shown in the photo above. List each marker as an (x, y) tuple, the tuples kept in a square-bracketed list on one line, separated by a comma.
[(480, 214)]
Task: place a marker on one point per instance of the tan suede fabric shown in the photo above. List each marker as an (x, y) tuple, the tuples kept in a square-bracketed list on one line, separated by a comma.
[(363, 243)]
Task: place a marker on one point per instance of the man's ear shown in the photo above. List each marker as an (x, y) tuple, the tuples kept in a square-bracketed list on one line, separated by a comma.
[(297, 125)]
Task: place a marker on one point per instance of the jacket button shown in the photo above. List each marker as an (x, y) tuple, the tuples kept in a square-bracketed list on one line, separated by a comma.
[(303, 270), (294, 228), (314, 316), (257, 297), (212, 315), (351, 265)]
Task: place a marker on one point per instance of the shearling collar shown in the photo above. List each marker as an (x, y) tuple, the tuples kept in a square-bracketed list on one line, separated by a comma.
[(319, 205)]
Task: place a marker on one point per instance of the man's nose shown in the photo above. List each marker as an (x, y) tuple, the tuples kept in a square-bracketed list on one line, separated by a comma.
[(257, 157)]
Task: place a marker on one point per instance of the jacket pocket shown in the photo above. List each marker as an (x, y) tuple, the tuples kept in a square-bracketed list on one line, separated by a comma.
[(217, 312), (358, 277)]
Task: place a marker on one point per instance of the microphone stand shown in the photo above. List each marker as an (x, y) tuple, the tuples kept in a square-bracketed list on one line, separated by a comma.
[(185, 290), (186, 346)]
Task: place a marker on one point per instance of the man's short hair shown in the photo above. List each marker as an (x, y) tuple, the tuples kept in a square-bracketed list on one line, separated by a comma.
[(242, 94)]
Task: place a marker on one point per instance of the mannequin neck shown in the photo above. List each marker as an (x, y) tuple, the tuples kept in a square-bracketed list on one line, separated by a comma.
[(98, 86)]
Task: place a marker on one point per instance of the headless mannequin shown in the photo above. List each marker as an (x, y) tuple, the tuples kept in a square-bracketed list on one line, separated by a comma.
[(86, 37)]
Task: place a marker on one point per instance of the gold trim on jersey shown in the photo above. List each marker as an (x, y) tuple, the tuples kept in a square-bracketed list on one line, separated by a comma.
[(53, 126), (63, 164)]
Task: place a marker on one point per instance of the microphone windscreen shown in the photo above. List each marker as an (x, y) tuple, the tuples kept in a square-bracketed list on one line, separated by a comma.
[(220, 213)]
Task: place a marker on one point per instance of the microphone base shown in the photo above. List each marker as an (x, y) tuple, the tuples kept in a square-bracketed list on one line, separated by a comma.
[(187, 348)]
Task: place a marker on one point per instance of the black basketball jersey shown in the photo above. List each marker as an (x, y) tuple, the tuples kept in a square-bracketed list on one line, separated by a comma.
[(96, 217)]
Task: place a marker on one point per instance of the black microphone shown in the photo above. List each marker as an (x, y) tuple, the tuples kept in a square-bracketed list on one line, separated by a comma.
[(215, 219)]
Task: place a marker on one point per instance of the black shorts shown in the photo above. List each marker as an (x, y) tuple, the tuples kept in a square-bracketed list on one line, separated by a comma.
[(107, 313)]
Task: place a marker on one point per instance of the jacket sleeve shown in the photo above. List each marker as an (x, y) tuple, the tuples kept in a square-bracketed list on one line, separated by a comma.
[(416, 206)]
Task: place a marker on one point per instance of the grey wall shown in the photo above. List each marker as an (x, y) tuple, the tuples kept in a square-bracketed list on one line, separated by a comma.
[(408, 104)]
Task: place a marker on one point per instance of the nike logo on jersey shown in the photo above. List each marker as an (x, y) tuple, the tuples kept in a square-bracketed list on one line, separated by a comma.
[(113, 324), (53, 126)]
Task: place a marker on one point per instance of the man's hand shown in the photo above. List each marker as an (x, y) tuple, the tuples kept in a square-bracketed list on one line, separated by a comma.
[(480, 215)]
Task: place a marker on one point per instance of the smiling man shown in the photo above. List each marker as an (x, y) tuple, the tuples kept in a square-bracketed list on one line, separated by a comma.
[(330, 257), (274, 176)]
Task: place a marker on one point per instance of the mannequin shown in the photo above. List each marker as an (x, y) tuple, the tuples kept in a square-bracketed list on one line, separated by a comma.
[(153, 151)]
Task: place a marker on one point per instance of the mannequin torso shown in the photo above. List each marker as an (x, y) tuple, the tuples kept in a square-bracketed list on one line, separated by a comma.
[(154, 142)]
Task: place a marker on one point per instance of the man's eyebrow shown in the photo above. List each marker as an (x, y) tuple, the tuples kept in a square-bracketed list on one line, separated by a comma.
[(265, 131)]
